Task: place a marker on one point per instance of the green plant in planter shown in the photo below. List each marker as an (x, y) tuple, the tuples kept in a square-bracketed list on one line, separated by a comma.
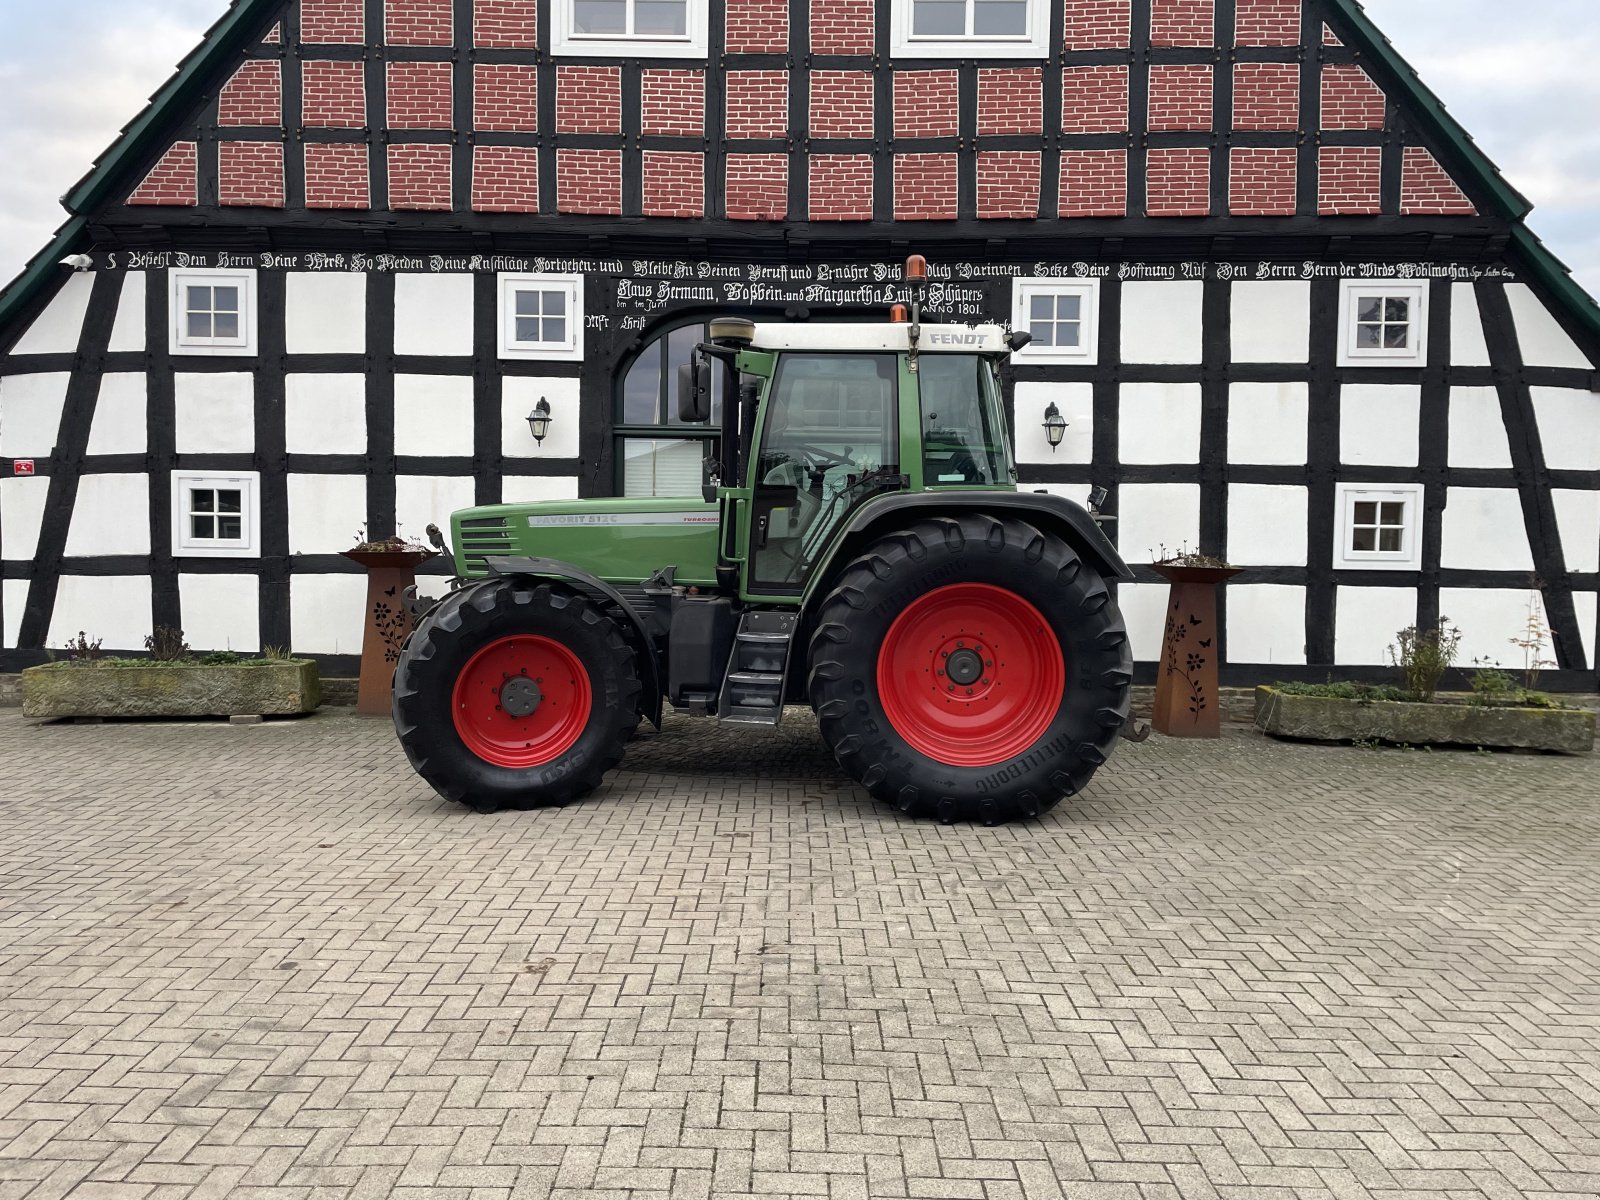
[(1493, 687), (166, 644), (1185, 557), (82, 650), (1365, 693), (1423, 656)]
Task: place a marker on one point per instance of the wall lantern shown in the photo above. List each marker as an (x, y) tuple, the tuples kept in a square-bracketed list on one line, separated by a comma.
[(539, 420), (1055, 426)]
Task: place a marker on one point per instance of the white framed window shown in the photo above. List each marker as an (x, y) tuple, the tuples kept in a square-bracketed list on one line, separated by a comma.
[(1063, 315), (1383, 323), (630, 28), (216, 514), (1380, 527), (212, 311), (541, 316), (970, 28)]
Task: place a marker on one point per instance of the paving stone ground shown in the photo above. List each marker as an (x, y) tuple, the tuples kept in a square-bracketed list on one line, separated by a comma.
[(266, 962)]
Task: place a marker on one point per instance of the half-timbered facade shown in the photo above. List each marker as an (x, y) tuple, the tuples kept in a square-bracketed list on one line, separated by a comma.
[(1291, 314)]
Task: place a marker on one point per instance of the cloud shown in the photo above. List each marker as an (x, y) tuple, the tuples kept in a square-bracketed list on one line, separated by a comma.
[(68, 97), (1523, 81)]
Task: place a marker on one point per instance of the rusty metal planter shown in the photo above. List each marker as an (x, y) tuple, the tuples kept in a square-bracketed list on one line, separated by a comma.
[(1186, 677), (388, 621)]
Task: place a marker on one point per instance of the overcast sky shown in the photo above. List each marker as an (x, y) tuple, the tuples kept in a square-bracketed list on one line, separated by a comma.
[(1523, 78)]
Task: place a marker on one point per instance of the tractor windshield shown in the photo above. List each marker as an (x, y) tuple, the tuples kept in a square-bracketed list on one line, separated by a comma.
[(830, 430), (963, 435)]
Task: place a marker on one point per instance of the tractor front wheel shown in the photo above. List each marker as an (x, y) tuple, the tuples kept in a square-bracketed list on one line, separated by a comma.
[(515, 694), (971, 668)]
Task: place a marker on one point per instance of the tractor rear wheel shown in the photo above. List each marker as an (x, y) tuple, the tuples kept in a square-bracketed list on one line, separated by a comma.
[(972, 668), (515, 694)]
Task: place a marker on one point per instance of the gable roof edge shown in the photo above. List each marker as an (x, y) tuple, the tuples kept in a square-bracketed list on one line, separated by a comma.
[(1370, 40), (232, 31), (1556, 277), (226, 37)]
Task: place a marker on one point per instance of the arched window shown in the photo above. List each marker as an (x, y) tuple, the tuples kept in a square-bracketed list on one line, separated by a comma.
[(657, 454)]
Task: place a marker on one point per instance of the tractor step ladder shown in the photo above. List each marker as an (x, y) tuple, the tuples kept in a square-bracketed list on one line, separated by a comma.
[(752, 693)]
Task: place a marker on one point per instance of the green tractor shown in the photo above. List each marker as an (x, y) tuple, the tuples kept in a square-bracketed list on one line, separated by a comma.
[(860, 546)]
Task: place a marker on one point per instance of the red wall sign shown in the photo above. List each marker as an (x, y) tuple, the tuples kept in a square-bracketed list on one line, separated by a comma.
[(22, 466)]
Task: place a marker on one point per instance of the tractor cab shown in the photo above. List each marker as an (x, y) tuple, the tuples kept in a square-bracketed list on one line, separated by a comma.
[(831, 416), (859, 544)]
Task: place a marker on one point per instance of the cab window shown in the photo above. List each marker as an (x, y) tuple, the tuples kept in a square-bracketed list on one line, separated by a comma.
[(963, 440), (830, 433)]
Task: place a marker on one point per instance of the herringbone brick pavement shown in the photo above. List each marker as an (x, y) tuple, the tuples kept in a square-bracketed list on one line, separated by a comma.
[(267, 962)]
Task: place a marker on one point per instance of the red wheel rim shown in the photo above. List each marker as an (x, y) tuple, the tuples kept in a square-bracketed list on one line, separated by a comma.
[(522, 701), (989, 702)]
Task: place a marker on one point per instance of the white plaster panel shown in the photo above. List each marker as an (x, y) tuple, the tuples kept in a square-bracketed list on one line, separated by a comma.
[(526, 489), (1366, 620), (1266, 525), (1266, 623), (1152, 515), (59, 328), (1378, 424), (1488, 619), (325, 413), (30, 413), (433, 415), (1477, 428), (433, 314), (14, 599), (1569, 427), (1144, 612), (111, 515), (327, 613), (1584, 604), (1544, 343), (1467, 345), (325, 312), (221, 612), (114, 608), (216, 412), (1029, 400), (1161, 322), (120, 414), (1159, 423), (326, 512), (127, 331), (21, 513), (1267, 423), (1271, 322), (1578, 518), (1484, 530), (423, 500), (518, 396)]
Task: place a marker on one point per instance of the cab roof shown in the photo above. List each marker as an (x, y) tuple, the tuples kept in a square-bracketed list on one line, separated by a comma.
[(838, 335)]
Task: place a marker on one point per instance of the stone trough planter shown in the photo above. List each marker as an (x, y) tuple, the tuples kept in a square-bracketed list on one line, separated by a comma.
[(1328, 719), (277, 688)]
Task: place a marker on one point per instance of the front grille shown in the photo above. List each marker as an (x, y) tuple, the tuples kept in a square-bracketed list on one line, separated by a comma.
[(478, 540)]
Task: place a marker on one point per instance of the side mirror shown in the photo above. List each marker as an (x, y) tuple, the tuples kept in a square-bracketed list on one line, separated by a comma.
[(694, 390)]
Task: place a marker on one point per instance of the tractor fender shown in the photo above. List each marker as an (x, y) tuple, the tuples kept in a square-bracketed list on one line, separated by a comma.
[(1066, 519), (594, 588)]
